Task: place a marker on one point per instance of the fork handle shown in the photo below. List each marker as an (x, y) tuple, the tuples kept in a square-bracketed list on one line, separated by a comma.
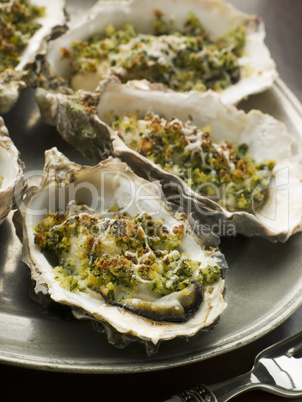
[(201, 393), (226, 390), (220, 392)]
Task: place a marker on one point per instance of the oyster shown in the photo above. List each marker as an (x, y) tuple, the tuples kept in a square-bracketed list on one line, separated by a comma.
[(221, 48), (12, 184), (103, 241), (25, 26), (273, 210)]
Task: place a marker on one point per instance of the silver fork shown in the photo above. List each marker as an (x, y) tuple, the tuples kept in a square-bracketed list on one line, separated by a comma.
[(277, 369)]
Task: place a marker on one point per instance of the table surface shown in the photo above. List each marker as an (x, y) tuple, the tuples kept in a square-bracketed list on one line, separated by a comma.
[(284, 32)]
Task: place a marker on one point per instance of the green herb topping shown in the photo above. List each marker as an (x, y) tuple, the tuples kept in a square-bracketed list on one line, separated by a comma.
[(222, 171), (120, 255), (182, 61)]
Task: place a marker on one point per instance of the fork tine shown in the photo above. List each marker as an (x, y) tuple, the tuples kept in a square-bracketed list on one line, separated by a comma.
[(289, 346)]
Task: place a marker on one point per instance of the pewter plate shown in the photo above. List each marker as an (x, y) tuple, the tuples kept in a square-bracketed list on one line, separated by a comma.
[(264, 282)]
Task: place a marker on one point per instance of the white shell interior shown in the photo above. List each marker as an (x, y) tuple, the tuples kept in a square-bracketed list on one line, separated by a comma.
[(54, 16), (8, 168), (101, 187), (11, 170), (218, 17)]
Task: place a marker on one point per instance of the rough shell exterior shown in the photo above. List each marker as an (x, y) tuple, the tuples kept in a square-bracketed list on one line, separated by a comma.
[(60, 175), (257, 68)]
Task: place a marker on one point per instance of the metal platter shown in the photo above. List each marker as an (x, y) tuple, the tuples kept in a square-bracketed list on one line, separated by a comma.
[(264, 283)]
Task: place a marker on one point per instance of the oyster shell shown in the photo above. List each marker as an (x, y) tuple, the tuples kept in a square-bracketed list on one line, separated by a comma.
[(81, 120), (12, 184), (112, 186), (257, 69), (16, 79)]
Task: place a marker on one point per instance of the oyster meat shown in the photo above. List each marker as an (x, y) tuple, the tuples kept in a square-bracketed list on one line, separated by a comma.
[(240, 169), (103, 241), (179, 46), (12, 184), (25, 27)]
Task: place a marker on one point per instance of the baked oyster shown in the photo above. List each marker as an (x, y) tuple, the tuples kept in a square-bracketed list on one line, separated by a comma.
[(25, 27), (12, 184), (102, 240), (239, 170), (176, 45)]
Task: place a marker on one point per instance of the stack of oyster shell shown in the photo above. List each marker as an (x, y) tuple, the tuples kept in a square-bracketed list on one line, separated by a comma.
[(121, 173)]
